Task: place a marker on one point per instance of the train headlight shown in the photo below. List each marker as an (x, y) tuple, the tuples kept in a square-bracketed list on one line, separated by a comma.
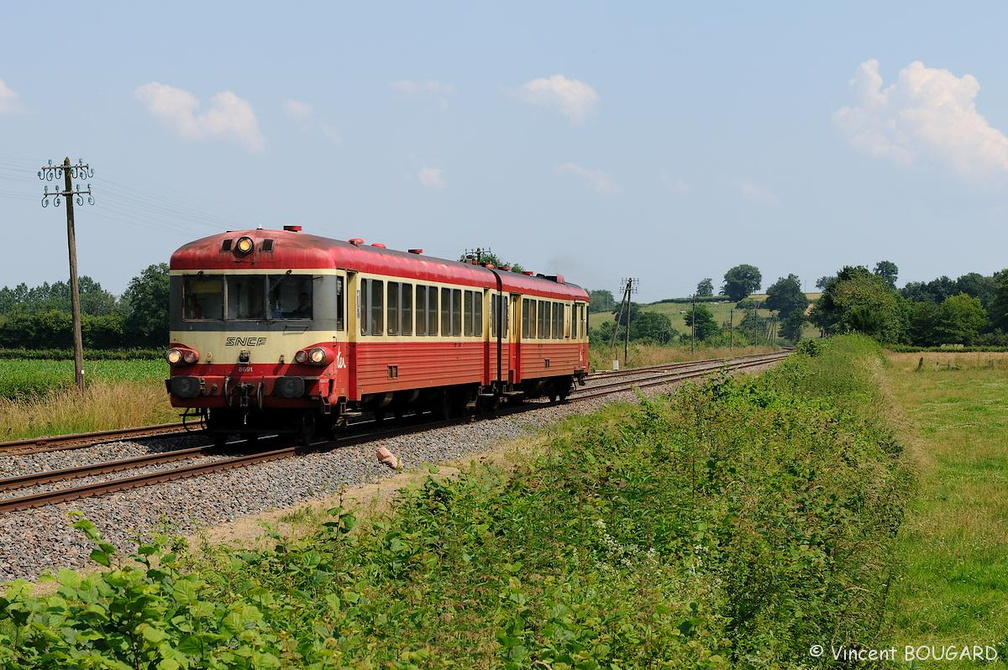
[(244, 246), (317, 356), (179, 356)]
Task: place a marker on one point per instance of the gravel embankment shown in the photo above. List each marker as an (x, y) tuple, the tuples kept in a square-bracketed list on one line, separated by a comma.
[(42, 539)]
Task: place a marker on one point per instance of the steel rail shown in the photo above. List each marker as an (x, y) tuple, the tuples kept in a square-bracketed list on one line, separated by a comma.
[(34, 445), (73, 493)]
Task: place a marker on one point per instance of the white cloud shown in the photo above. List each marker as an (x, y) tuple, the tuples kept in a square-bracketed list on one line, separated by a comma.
[(675, 184), (10, 101), (928, 116), (572, 98), (757, 193), (431, 177), (228, 117), (442, 90), (299, 111), (599, 182)]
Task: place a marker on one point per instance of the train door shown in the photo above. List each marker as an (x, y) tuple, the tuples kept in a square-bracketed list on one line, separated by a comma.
[(514, 339)]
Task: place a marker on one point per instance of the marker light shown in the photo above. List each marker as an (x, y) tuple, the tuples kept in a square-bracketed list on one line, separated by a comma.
[(301, 357), (179, 356), (244, 246)]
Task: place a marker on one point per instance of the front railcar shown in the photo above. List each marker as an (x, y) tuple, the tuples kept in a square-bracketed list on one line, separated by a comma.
[(258, 332)]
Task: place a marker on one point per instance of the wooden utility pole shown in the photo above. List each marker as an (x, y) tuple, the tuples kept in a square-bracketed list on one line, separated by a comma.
[(69, 173), (692, 344)]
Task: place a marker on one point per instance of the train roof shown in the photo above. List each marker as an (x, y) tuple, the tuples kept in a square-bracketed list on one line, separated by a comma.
[(294, 250)]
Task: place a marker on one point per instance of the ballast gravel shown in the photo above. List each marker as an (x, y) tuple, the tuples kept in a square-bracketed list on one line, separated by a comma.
[(42, 540)]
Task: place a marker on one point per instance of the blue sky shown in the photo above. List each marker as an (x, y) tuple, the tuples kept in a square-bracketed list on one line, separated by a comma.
[(663, 141)]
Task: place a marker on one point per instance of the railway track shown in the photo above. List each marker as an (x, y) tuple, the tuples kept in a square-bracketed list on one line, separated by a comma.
[(641, 378), (36, 445)]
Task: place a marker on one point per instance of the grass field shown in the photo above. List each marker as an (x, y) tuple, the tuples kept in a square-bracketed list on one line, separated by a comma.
[(954, 544), (39, 398)]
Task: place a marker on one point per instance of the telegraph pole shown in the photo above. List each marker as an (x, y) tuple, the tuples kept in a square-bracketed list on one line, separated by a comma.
[(692, 345), (70, 172), (629, 287)]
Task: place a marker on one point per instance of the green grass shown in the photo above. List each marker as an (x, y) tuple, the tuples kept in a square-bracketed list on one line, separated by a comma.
[(24, 379), (730, 525), (955, 538)]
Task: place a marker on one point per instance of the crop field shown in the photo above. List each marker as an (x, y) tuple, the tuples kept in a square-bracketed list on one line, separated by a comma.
[(38, 397), (22, 379)]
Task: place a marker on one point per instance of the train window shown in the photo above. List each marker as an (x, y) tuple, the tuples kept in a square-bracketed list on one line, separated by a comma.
[(371, 308), (400, 310), (544, 319), (405, 312), (558, 320), (202, 298), (473, 325), (528, 318), (432, 310), (456, 321), (446, 312), (574, 321), (246, 297), (340, 304), (421, 310), (290, 296), (392, 319)]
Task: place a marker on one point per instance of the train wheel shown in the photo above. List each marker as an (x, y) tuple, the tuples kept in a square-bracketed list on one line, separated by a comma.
[(445, 406)]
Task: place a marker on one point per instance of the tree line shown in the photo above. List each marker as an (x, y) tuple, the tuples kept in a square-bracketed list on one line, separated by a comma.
[(971, 310), (39, 317)]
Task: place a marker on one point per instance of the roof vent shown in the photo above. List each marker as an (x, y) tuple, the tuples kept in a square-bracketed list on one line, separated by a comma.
[(378, 245), (356, 241), (292, 229), (416, 251)]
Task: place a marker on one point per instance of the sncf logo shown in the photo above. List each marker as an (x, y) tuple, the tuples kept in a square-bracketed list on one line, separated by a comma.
[(250, 341)]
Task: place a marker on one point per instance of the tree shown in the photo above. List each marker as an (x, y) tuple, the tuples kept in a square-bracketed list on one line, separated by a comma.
[(601, 301), (824, 282), (999, 304), (786, 296), (888, 271), (146, 298), (960, 318), (705, 288), (652, 327), (978, 286), (741, 281), (791, 326), (481, 257), (706, 326), (860, 301)]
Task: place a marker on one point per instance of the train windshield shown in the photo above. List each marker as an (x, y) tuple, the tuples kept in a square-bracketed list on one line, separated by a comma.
[(248, 297)]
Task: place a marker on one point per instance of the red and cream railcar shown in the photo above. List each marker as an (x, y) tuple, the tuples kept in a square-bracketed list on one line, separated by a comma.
[(284, 331)]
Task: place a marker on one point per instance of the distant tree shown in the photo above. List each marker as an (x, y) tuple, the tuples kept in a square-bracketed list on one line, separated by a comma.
[(705, 288), (741, 281), (999, 304), (706, 326), (978, 286), (652, 327), (860, 301), (824, 282), (960, 319), (786, 296), (791, 326), (935, 291), (601, 301), (146, 300), (888, 271), (621, 314), (481, 257)]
